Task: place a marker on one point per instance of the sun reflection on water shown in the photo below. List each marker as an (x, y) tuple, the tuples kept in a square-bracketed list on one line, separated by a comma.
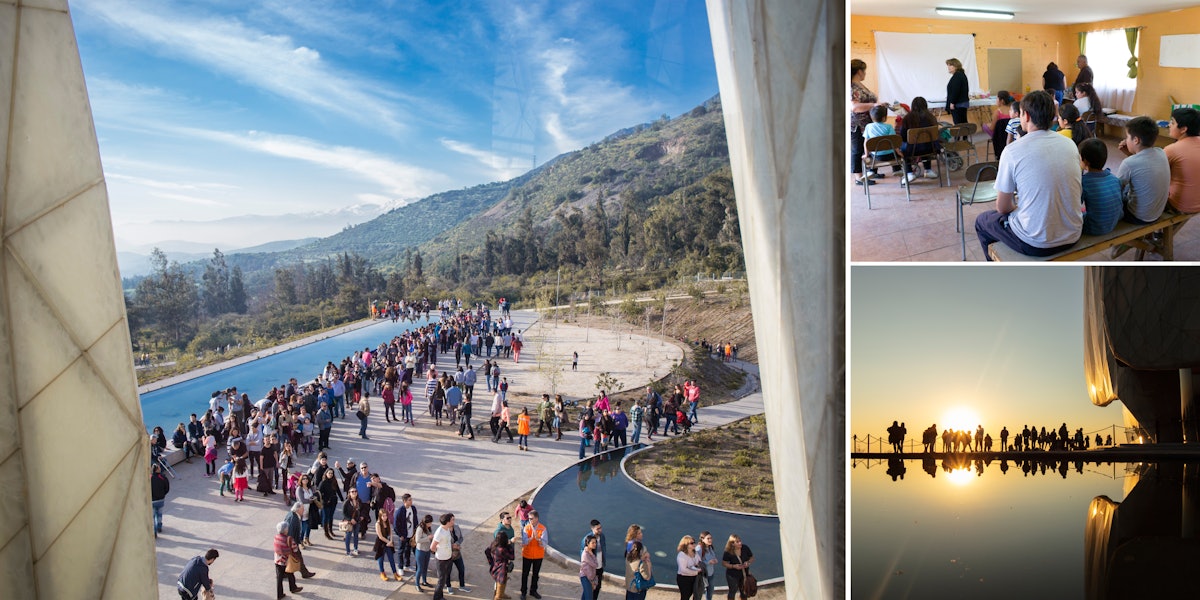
[(961, 477)]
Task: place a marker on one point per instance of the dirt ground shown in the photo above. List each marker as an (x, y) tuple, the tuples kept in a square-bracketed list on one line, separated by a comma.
[(728, 468)]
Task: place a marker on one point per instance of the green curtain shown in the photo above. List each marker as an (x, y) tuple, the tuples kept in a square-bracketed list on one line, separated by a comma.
[(1131, 36), (1082, 42)]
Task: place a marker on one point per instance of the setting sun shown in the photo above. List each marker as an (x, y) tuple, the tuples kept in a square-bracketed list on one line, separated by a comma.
[(960, 418)]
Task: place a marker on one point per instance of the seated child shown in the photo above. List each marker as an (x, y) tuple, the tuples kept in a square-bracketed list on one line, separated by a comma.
[(1102, 205), (877, 128), (1013, 129), (1070, 126), (1146, 175), (1004, 101)]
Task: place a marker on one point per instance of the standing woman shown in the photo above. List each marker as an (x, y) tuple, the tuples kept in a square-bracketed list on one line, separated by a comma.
[(241, 480), (283, 549), (424, 537), (560, 415), (331, 494), (736, 559), (501, 554), (862, 100), (637, 559), (389, 402), (958, 91), (588, 563), (1054, 79), (364, 411), (384, 545), (304, 495), (708, 561), (406, 399), (350, 517), (688, 563)]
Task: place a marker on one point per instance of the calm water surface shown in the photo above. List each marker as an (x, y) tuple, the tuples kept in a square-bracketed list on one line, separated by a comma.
[(1011, 530)]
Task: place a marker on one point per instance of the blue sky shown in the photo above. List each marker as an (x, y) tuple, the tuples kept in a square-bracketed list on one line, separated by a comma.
[(233, 123), (998, 346)]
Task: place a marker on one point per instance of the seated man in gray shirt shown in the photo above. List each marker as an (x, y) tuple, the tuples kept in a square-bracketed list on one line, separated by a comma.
[(1146, 175), (1042, 168)]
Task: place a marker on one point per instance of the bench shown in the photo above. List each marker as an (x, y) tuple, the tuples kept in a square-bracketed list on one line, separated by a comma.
[(1123, 233)]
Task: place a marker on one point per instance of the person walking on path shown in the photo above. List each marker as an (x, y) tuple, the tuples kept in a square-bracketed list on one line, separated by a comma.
[(534, 539), (294, 518), (195, 575), (502, 424), (635, 418), (364, 411), (545, 410), (574, 361), (560, 415), (159, 488), (442, 547), (283, 550)]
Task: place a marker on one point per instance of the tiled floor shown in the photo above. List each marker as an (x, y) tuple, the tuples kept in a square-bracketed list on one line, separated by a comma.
[(894, 229)]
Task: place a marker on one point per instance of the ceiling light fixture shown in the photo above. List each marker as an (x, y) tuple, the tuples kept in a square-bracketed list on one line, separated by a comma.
[(972, 13)]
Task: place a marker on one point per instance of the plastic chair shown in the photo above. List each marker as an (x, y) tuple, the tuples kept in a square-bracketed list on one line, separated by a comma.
[(931, 137), (882, 143), (980, 189), (960, 142), (998, 140)]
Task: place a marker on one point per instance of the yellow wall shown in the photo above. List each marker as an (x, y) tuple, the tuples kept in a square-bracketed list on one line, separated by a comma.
[(1042, 44), (1156, 83)]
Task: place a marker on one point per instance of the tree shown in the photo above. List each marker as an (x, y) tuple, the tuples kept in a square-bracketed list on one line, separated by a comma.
[(395, 286), (237, 292), (168, 297), (216, 285), (285, 287)]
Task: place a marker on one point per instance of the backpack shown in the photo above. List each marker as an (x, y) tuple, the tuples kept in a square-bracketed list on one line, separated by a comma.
[(641, 583)]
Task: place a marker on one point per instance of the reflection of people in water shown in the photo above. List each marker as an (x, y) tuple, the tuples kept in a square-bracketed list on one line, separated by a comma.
[(1003, 467), (930, 466), (896, 468), (585, 473)]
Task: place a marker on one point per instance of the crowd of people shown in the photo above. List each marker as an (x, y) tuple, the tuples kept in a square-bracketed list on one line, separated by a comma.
[(1028, 439), (270, 441)]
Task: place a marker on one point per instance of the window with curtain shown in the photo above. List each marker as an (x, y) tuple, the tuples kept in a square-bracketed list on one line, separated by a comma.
[(1108, 54)]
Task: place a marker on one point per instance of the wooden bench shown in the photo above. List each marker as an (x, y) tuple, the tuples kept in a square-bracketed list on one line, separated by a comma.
[(1123, 233)]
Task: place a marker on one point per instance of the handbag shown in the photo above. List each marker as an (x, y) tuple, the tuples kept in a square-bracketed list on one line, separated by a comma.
[(412, 541), (641, 583), (749, 585), (361, 415), (293, 564), (345, 526)]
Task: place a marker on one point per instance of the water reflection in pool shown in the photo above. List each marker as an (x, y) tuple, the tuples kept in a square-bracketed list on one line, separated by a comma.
[(1024, 529), (596, 488)]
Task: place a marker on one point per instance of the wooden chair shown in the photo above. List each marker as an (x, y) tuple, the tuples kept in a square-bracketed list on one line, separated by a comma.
[(980, 188), (931, 137), (880, 144), (998, 140), (961, 142)]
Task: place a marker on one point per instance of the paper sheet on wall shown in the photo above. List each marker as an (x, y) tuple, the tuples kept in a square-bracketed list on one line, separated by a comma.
[(914, 64), (1180, 51)]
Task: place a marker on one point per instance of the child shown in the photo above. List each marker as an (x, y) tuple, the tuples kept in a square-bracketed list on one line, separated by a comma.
[(1013, 129), (877, 128), (682, 419), (1004, 101), (1102, 205), (523, 511), (523, 429), (225, 473), (1146, 175), (1070, 126)]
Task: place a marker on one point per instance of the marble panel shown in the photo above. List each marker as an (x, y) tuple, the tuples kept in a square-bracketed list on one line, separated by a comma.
[(113, 357), (130, 574), (8, 396), (41, 347), (71, 255), (78, 561), (59, 5), (13, 514), (16, 565), (8, 32), (76, 406), (54, 149)]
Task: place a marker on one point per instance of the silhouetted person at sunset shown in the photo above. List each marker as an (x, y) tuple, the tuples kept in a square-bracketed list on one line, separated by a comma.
[(948, 440), (896, 468), (979, 438), (1107, 440), (987, 442), (1062, 434), (1004, 439), (929, 438), (894, 436), (903, 434)]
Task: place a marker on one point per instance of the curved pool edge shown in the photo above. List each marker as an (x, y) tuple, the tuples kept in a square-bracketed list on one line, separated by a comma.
[(565, 561), (625, 472)]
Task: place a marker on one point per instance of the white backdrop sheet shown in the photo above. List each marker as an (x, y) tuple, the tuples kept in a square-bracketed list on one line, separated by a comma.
[(914, 64)]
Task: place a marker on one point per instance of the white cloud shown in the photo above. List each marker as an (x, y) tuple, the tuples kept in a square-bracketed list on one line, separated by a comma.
[(400, 180), (188, 199), (254, 57), (502, 166)]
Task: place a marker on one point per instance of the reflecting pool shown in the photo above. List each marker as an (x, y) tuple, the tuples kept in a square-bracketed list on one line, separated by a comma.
[(595, 488), (172, 405), (1010, 529)]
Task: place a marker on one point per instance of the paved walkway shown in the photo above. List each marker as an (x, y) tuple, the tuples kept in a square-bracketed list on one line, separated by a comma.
[(473, 479)]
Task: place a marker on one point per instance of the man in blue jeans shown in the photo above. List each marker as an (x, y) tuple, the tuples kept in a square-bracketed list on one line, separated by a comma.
[(1043, 169)]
